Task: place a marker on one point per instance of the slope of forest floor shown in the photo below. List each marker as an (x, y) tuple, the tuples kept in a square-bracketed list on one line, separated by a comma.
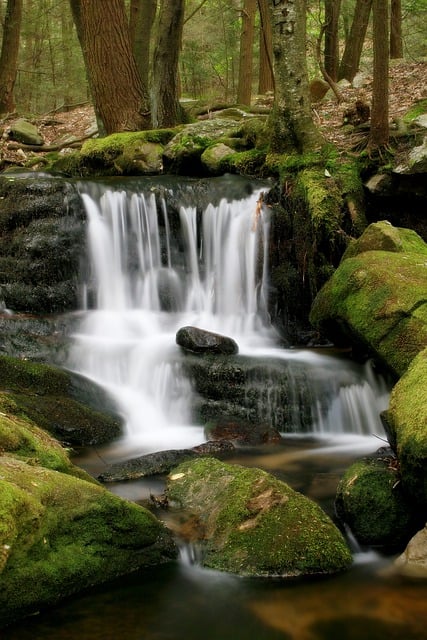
[(408, 84)]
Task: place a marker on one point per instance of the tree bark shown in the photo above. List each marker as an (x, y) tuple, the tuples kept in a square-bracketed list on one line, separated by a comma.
[(121, 101), (142, 15), (331, 50), (396, 41), (9, 54), (266, 78), (291, 121), (167, 111), (244, 87), (379, 135), (351, 57)]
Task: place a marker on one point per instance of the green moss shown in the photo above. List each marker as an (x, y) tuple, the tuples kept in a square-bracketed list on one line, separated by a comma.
[(417, 109), (371, 501), (253, 524), (407, 418), (249, 163), (323, 200), (63, 535)]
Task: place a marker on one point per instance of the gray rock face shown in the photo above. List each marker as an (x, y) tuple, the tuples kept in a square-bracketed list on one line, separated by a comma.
[(25, 132), (202, 341)]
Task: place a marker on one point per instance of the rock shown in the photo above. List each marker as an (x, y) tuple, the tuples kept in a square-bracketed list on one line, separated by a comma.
[(201, 341), (161, 462), (61, 535), (242, 433), (251, 524), (380, 184), (42, 243), (421, 121), (69, 406), (212, 157), (413, 561), (377, 298), (318, 89), (406, 423), (25, 132), (370, 500)]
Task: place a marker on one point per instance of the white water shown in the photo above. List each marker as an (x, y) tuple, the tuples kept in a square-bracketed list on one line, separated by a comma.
[(127, 342)]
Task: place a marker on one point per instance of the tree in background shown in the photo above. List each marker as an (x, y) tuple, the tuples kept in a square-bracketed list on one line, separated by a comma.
[(167, 110), (379, 133), (396, 42), (292, 126), (121, 101), (265, 77), (244, 87), (331, 50), (9, 54), (353, 50)]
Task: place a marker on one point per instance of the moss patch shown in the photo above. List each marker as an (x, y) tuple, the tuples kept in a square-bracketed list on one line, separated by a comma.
[(252, 524), (371, 501)]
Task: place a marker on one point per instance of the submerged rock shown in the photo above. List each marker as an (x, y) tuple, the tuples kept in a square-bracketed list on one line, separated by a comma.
[(201, 341), (251, 524), (370, 500), (242, 433), (377, 298)]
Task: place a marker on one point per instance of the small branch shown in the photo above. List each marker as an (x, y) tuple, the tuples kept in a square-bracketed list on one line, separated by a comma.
[(44, 148)]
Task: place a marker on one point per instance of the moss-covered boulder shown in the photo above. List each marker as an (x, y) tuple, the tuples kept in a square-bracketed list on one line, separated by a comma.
[(69, 406), (251, 524), (377, 298), (371, 501), (406, 423), (60, 535)]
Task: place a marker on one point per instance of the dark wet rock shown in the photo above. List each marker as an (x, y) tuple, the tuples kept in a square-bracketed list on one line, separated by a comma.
[(201, 341), (242, 433), (161, 462)]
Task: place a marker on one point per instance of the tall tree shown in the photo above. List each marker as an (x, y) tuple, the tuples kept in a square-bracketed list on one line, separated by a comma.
[(142, 15), (9, 54), (120, 99), (396, 41), (291, 121), (265, 78), (351, 57), (167, 110), (331, 51), (379, 134), (244, 86)]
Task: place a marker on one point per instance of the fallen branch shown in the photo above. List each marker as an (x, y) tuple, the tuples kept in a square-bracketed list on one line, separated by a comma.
[(44, 148)]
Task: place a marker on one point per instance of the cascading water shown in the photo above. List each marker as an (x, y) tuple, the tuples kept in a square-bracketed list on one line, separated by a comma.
[(150, 275)]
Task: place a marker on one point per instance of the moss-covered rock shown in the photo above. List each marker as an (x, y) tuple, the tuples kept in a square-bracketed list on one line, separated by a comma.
[(69, 406), (251, 524), (60, 535), (378, 296), (371, 501), (406, 421)]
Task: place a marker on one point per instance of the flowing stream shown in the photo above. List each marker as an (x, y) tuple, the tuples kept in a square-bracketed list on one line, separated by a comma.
[(154, 268)]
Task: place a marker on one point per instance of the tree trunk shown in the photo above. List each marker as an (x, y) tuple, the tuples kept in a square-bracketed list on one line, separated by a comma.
[(331, 51), (167, 111), (351, 57), (244, 87), (142, 15), (121, 101), (396, 42), (9, 54), (379, 135), (266, 78), (292, 126)]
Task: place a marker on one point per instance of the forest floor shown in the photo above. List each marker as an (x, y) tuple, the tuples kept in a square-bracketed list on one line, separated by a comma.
[(408, 84)]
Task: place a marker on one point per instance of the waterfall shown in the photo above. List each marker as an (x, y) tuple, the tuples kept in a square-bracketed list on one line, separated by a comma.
[(153, 270)]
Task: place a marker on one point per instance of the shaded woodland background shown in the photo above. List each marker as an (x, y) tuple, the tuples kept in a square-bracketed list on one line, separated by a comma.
[(51, 73)]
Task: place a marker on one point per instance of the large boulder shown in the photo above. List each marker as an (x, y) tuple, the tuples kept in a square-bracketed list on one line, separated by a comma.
[(251, 524), (202, 341), (60, 534), (413, 561), (406, 424), (377, 298)]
